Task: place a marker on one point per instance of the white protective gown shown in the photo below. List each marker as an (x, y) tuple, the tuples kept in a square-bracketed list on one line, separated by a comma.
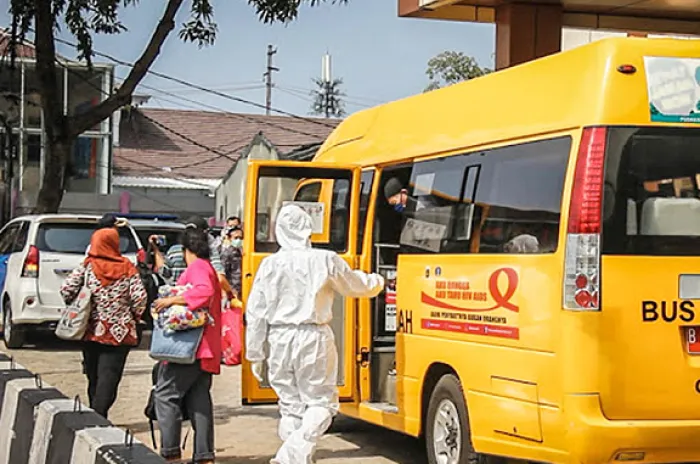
[(290, 306)]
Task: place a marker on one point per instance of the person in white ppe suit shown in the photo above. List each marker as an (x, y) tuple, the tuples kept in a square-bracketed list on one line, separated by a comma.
[(290, 307)]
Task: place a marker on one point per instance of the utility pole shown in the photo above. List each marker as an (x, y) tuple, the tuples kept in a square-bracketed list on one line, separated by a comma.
[(268, 79), (327, 79)]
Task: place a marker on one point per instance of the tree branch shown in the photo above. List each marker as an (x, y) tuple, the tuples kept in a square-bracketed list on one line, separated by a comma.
[(84, 121)]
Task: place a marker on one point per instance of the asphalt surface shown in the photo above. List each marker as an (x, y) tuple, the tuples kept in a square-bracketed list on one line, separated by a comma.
[(244, 435)]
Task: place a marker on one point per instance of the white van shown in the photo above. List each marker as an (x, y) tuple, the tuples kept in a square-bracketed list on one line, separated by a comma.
[(36, 255)]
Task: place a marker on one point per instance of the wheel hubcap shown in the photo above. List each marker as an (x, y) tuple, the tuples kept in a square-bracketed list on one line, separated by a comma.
[(447, 433)]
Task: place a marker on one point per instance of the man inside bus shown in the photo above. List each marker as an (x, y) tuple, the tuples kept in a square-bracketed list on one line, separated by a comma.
[(397, 196), (289, 310)]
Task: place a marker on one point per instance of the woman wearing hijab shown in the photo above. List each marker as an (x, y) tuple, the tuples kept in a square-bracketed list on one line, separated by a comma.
[(118, 301)]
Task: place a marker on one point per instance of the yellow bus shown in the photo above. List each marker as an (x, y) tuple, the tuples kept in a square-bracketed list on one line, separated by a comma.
[(542, 282)]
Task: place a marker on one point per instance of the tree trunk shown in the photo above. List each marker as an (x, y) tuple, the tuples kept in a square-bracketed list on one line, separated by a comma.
[(51, 192), (62, 130), (59, 144)]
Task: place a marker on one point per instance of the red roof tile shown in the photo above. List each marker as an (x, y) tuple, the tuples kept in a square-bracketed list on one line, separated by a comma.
[(181, 143), (23, 50)]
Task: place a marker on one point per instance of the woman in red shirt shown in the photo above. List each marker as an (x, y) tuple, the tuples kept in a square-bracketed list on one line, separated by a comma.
[(118, 301), (190, 384)]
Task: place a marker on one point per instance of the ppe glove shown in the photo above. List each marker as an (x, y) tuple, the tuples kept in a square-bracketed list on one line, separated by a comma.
[(258, 369)]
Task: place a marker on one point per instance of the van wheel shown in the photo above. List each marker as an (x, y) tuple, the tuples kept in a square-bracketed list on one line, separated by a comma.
[(447, 433), (12, 334)]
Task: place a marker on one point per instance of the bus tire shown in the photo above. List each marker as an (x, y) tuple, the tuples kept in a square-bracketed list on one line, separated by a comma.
[(447, 432)]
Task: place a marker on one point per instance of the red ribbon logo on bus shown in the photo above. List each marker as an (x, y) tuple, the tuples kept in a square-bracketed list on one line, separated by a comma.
[(501, 299)]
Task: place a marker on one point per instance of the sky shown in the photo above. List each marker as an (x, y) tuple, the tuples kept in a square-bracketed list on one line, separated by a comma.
[(379, 56)]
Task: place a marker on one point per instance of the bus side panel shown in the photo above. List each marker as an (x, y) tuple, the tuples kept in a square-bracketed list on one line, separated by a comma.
[(494, 321)]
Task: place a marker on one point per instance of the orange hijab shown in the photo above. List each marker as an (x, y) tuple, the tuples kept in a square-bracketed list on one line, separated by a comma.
[(107, 262)]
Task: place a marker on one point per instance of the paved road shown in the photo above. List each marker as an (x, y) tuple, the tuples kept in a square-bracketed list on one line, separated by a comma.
[(244, 435)]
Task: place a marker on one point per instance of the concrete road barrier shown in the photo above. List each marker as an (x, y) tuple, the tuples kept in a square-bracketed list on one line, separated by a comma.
[(39, 425), (22, 396), (110, 446)]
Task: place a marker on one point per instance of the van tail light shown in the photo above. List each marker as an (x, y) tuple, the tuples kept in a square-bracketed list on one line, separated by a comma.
[(141, 256), (582, 262), (31, 263)]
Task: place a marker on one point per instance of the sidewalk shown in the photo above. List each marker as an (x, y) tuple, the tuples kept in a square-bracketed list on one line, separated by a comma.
[(244, 435)]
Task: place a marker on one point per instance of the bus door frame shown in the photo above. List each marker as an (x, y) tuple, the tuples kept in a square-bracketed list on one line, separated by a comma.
[(252, 392)]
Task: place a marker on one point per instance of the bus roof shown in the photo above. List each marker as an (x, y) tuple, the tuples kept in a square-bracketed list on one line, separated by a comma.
[(575, 88)]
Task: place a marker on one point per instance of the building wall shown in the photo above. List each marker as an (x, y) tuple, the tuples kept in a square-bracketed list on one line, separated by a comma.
[(272, 192), (80, 89), (571, 38), (155, 203), (230, 195), (183, 202)]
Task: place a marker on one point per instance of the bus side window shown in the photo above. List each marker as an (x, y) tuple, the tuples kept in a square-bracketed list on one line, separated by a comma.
[(387, 221), (444, 208), (340, 204), (309, 192), (366, 182), (522, 186), (480, 202)]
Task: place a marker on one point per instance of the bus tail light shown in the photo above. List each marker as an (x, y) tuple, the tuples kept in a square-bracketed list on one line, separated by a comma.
[(31, 263), (582, 262)]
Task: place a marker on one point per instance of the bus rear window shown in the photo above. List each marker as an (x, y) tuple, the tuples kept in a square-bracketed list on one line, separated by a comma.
[(651, 198)]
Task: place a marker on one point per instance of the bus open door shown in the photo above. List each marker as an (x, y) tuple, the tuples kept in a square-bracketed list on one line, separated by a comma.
[(270, 185)]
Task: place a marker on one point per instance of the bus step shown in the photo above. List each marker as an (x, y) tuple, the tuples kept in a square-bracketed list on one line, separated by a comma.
[(383, 407)]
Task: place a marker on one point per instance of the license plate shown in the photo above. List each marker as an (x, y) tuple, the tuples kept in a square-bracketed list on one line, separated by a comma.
[(692, 338)]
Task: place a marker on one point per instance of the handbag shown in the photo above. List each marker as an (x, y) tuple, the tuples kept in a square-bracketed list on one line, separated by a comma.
[(74, 319), (175, 346)]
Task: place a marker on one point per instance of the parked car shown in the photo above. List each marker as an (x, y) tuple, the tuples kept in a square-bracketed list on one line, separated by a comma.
[(170, 230), (36, 255)]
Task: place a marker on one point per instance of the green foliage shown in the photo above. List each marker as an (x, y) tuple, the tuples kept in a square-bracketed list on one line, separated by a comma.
[(85, 18), (451, 67), (328, 99), (271, 11)]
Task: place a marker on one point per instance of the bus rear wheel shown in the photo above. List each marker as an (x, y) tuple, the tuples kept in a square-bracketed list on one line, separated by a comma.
[(447, 433)]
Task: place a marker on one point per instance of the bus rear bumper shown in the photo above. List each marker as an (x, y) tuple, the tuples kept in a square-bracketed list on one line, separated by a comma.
[(593, 438)]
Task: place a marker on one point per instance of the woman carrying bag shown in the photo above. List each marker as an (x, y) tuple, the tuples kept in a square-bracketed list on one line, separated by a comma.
[(117, 301), (190, 384)]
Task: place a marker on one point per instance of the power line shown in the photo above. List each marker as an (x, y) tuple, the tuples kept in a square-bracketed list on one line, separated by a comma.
[(252, 119), (157, 123), (308, 98), (156, 168), (295, 94), (201, 88), (370, 101), (232, 88), (168, 129)]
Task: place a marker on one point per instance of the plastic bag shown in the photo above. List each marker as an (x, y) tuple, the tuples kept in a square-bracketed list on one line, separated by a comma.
[(231, 334), (180, 317)]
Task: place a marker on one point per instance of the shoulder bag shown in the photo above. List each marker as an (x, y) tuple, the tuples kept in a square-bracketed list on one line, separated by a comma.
[(74, 319), (175, 346)]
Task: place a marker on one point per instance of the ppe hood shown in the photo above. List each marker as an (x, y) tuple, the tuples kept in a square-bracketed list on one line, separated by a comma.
[(293, 228)]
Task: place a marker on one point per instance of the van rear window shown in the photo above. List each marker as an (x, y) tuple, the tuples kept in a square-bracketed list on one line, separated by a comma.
[(651, 198), (74, 238)]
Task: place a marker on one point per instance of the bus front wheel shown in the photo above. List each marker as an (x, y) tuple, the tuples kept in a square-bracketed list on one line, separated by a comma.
[(447, 434)]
